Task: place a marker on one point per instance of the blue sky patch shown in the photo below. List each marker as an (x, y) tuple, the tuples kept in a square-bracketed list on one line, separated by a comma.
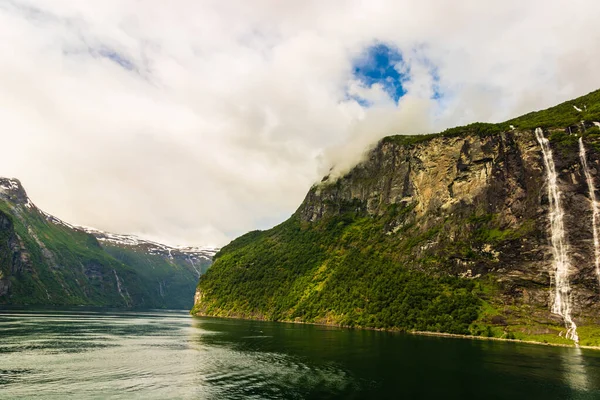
[(117, 58), (384, 65), (437, 91)]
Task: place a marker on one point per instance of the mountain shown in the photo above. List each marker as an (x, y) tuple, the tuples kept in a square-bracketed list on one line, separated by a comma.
[(485, 229), (45, 261)]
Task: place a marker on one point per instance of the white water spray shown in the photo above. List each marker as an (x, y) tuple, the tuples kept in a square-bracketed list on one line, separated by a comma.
[(562, 294), (595, 212)]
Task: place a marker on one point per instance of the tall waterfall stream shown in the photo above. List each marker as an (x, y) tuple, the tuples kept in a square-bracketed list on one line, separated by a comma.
[(562, 294), (595, 213)]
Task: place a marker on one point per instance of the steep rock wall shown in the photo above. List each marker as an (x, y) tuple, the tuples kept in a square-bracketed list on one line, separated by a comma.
[(450, 182), (468, 206)]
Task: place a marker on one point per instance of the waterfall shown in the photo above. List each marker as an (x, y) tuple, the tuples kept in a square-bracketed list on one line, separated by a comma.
[(595, 213), (194, 266), (562, 293), (120, 289)]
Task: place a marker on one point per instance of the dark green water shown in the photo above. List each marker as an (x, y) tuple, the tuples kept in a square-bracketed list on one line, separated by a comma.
[(160, 355)]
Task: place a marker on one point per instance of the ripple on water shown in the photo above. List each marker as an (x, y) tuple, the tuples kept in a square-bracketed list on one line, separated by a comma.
[(176, 357), (13, 375), (236, 374), (55, 346)]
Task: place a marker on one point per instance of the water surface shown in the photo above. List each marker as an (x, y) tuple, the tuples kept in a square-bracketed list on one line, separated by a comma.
[(77, 354)]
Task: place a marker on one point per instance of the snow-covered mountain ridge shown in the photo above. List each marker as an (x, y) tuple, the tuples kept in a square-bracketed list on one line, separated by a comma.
[(12, 190), (45, 260)]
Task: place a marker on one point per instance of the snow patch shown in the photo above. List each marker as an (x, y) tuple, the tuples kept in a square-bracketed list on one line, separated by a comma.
[(577, 108), (8, 184), (56, 221), (150, 246)]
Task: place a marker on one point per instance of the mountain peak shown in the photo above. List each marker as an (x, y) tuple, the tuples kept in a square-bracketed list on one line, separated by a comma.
[(12, 190), (70, 264)]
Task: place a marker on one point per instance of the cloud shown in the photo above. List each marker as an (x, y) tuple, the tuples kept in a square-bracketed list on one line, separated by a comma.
[(193, 122)]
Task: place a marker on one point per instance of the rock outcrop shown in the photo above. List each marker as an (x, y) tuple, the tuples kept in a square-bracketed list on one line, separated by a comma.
[(453, 182), (470, 203)]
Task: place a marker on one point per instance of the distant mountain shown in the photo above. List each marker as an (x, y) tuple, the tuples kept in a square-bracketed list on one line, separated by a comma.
[(485, 229), (46, 261), (197, 259)]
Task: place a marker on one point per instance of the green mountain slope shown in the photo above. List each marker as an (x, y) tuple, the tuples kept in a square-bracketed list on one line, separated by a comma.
[(445, 233), (44, 261), (170, 277)]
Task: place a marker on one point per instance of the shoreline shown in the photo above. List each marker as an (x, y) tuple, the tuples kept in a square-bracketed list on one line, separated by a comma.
[(459, 336), (416, 333)]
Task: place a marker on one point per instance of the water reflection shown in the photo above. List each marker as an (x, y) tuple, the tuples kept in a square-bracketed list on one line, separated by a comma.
[(575, 371), (251, 363), (160, 355)]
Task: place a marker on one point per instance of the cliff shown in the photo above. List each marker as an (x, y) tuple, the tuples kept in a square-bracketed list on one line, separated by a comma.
[(45, 261), (448, 232)]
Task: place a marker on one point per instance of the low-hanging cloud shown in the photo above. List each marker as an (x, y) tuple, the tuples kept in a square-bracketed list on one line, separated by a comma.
[(192, 122)]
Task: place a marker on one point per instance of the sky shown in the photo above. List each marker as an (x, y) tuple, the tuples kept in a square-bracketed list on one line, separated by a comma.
[(192, 122)]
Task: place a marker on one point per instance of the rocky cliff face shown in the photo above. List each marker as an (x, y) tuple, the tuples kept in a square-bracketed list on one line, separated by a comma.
[(46, 261), (14, 257), (471, 203), (452, 184)]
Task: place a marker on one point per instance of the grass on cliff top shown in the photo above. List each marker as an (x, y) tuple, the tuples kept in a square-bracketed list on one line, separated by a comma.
[(557, 117)]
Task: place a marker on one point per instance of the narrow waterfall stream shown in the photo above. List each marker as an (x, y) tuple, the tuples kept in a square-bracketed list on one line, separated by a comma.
[(595, 213), (562, 294), (119, 288)]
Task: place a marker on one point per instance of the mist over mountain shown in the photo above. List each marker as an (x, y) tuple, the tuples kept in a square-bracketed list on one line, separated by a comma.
[(194, 124), (484, 230)]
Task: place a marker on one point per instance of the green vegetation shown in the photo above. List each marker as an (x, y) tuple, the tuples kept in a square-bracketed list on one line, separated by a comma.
[(342, 270), (393, 270), (526, 327), (592, 133), (558, 117), (171, 282), (350, 270), (69, 267), (562, 115), (487, 229), (523, 322), (563, 139), (480, 129), (53, 251), (408, 140)]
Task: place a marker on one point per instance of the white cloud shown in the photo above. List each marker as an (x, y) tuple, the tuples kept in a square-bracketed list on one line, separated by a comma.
[(193, 122)]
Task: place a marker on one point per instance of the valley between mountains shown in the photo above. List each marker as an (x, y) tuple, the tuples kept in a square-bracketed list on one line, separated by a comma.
[(484, 230)]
